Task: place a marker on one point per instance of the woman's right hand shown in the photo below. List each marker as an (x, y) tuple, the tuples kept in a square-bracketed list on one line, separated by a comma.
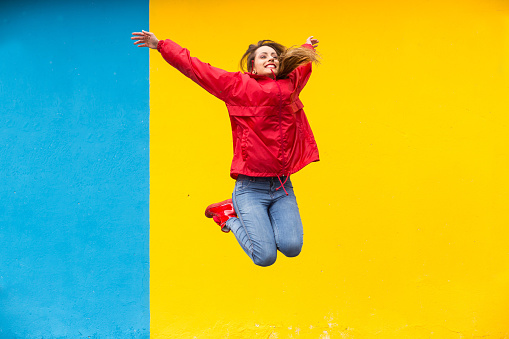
[(146, 39), (312, 41)]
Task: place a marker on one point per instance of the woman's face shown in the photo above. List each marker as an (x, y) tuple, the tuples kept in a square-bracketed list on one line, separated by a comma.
[(266, 61)]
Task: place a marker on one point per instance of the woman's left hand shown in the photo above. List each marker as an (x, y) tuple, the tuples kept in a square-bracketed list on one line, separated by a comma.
[(312, 41)]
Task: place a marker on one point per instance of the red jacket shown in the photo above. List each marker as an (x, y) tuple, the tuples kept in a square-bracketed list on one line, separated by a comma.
[(271, 134)]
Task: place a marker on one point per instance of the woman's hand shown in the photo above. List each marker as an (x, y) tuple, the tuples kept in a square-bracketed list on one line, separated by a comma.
[(146, 39), (312, 41)]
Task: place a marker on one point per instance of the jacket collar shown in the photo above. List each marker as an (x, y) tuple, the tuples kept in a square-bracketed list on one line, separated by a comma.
[(259, 77)]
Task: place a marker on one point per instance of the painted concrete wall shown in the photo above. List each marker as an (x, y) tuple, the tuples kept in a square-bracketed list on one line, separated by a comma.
[(74, 170), (405, 218)]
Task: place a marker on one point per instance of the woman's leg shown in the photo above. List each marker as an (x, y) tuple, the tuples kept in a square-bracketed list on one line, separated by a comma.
[(285, 218), (252, 228)]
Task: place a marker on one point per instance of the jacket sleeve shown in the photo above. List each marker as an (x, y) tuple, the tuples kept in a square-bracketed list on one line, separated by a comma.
[(301, 74), (214, 80)]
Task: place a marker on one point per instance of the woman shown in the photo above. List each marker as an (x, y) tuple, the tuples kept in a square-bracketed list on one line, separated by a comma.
[(271, 139)]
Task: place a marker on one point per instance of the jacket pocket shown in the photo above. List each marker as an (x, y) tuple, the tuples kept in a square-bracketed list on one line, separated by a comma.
[(243, 143), (304, 133)]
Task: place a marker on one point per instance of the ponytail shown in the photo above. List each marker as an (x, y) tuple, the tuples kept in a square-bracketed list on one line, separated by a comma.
[(294, 57)]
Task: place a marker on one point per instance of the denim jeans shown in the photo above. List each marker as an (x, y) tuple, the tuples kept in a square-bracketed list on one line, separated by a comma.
[(268, 219)]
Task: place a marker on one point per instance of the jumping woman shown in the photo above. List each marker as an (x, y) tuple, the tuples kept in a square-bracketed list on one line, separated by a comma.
[(272, 139)]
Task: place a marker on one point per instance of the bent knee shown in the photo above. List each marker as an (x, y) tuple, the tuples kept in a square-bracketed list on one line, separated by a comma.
[(265, 259), (291, 249)]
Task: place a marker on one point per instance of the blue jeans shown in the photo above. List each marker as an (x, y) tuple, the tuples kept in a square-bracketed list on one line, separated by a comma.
[(268, 220)]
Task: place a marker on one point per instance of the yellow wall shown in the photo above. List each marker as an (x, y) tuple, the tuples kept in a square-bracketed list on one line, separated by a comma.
[(405, 218)]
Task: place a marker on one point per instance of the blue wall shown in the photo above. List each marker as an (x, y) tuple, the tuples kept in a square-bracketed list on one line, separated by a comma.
[(74, 170)]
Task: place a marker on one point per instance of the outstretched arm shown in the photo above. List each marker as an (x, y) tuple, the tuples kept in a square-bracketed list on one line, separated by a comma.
[(216, 81), (145, 39), (301, 74)]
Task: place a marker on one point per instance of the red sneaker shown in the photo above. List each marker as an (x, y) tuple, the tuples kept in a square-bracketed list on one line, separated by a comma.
[(221, 212)]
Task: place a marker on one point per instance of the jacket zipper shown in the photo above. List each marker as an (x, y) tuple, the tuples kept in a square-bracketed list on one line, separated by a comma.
[(281, 123), (281, 134)]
